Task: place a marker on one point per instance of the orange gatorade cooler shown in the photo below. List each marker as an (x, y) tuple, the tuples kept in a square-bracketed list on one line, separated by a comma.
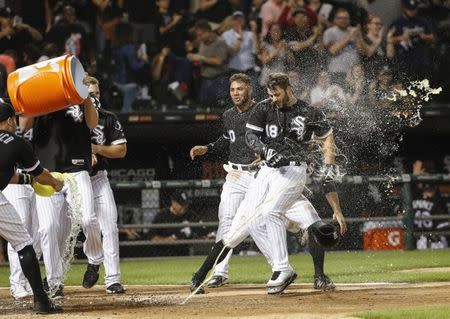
[(383, 236), (47, 86)]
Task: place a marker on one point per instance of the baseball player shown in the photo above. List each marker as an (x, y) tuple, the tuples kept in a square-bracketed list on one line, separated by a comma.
[(279, 130), (108, 141), (240, 168), (23, 198), (17, 151), (62, 140)]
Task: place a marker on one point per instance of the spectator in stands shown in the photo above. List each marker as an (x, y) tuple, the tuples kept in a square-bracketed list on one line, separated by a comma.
[(329, 97), (413, 38), (270, 13), (377, 49), (178, 212), (71, 37), (286, 19), (213, 56), (275, 55), (357, 86), (243, 46), (342, 42), (130, 69), (302, 41), (14, 34), (171, 77), (426, 203), (108, 15), (322, 12), (171, 28), (381, 90)]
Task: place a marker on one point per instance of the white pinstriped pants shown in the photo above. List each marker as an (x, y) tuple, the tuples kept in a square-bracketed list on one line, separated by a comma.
[(23, 198), (11, 226), (272, 193), (106, 211), (54, 226), (233, 193)]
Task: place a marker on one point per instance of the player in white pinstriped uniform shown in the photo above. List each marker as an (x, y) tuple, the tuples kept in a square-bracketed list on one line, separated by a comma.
[(18, 152), (239, 169), (23, 198), (281, 130), (277, 192), (62, 141), (108, 141)]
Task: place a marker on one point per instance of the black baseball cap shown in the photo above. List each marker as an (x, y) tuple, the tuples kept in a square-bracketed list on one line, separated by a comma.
[(180, 197), (6, 110), (410, 4)]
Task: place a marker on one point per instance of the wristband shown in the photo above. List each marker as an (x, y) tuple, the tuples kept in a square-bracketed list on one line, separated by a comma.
[(25, 179)]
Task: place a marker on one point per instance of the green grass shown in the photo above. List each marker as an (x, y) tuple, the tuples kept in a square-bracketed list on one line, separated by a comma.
[(416, 313), (342, 267)]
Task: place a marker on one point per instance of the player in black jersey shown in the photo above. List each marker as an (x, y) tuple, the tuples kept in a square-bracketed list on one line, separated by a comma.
[(281, 130), (108, 142), (17, 151), (240, 168), (62, 140), (292, 206)]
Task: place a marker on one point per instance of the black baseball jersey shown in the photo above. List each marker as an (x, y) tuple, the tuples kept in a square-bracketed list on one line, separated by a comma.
[(299, 123), (16, 152), (62, 140), (233, 138), (108, 131)]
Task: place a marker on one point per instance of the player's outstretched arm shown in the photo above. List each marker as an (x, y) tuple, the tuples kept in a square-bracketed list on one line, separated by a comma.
[(198, 150), (90, 112), (333, 201), (110, 151)]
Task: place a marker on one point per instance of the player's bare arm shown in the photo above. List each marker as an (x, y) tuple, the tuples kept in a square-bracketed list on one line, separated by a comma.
[(333, 201), (90, 113), (46, 178), (198, 150), (110, 151), (329, 154)]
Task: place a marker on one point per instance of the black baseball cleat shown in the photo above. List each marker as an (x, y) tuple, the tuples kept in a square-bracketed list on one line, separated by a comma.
[(217, 281), (45, 306), (116, 288), (91, 276), (322, 282), (195, 283)]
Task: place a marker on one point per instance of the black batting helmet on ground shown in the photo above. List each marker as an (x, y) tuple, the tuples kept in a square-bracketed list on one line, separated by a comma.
[(327, 235)]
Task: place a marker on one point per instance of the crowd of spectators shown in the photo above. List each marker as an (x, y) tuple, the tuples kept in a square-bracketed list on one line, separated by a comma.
[(157, 52)]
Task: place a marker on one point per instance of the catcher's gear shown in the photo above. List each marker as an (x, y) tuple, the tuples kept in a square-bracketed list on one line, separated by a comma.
[(327, 235)]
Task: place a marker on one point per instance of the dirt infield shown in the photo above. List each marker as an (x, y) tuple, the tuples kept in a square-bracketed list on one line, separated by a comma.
[(236, 301)]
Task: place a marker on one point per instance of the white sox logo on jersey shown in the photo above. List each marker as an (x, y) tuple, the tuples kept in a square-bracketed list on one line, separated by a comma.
[(98, 136), (76, 113), (298, 126)]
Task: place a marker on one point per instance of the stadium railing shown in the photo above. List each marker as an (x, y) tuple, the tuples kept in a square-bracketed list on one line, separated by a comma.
[(405, 180)]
